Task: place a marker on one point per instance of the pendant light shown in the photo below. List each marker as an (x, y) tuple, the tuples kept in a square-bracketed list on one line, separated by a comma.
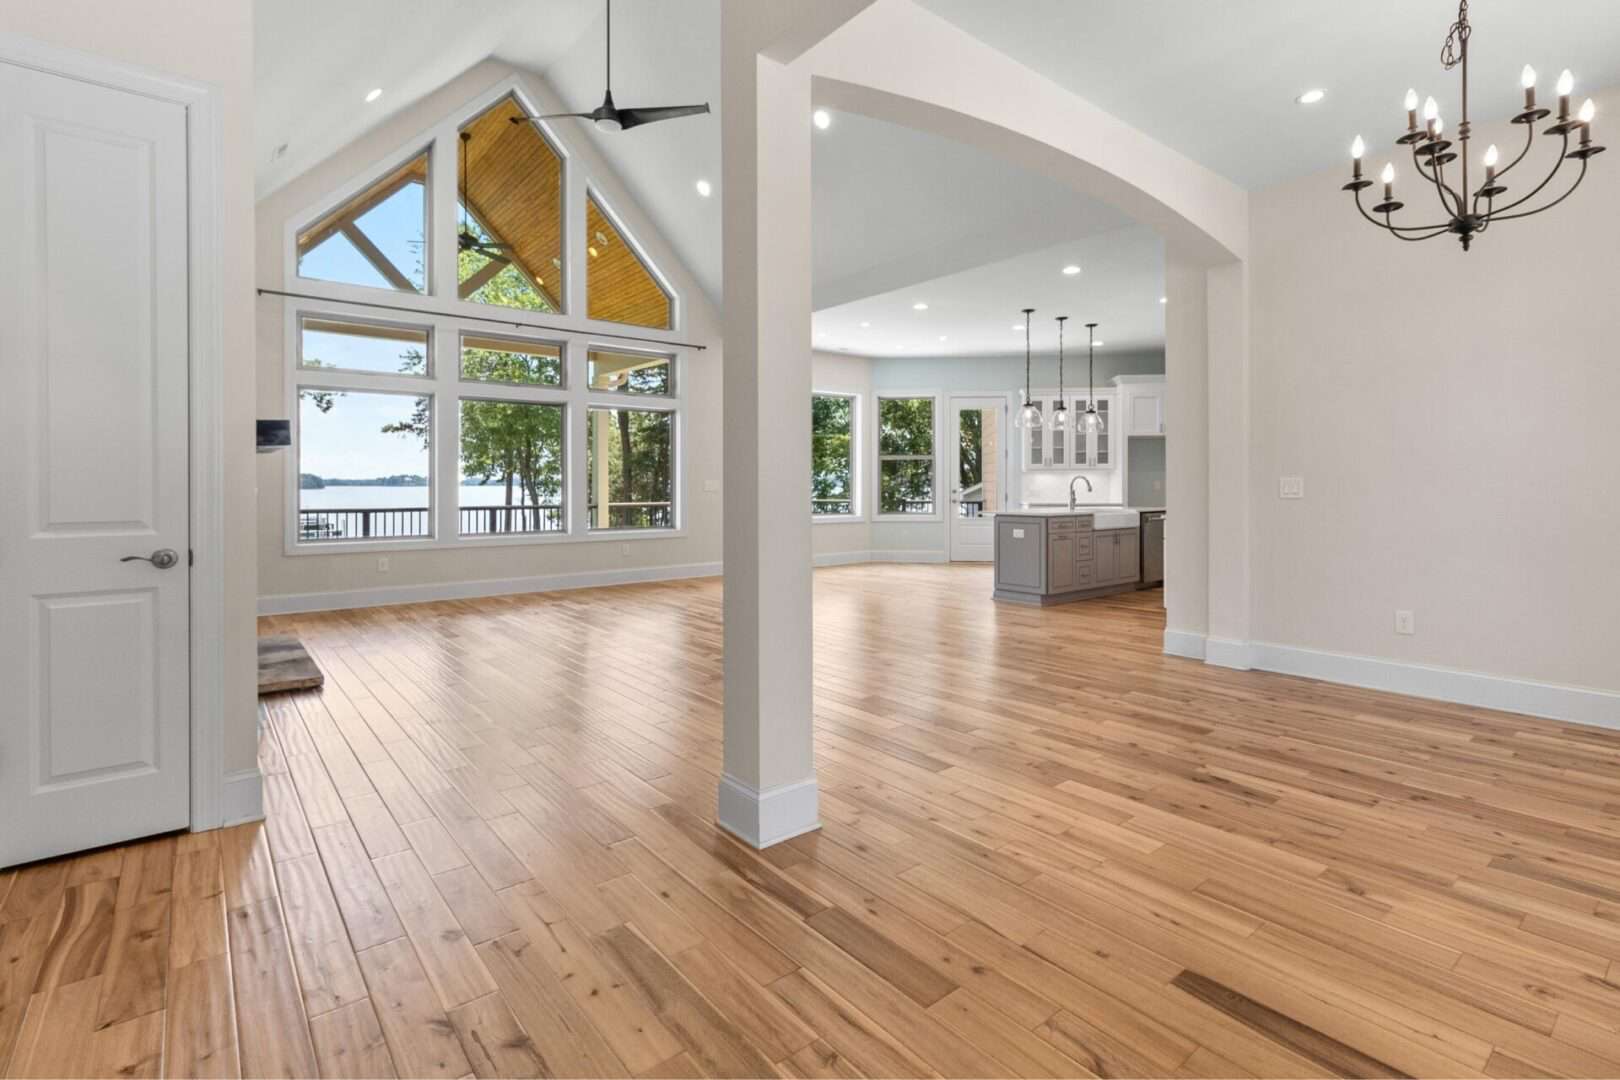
[(1060, 411), (1091, 419), (1029, 417)]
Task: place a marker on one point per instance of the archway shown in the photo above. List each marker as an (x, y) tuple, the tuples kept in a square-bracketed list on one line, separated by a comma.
[(896, 61)]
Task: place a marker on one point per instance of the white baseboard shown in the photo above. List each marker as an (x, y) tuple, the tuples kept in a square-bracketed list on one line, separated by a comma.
[(1575, 704), (1184, 643), (1228, 652), (242, 797), (763, 818), (1551, 701), (842, 558), (293, 603), (921, 556)]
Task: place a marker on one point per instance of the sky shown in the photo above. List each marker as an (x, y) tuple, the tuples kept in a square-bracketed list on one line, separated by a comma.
[(348, 442)]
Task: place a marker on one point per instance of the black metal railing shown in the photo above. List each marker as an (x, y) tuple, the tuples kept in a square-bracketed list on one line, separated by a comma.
[(829, 507), (364, 523), (970, 508), (635, 515), (404, 522), (494, 520)]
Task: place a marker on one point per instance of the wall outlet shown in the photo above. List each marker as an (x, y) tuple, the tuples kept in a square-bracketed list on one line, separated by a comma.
[(624, 549), (711, 485), (382, 564), (1291, 487), (1405, 622)]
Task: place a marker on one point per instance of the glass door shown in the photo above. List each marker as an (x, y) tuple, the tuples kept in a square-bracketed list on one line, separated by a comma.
[(978, 439)]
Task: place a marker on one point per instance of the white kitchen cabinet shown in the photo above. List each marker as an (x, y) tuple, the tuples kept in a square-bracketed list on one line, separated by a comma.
[(1069, 446), (1142, 406)]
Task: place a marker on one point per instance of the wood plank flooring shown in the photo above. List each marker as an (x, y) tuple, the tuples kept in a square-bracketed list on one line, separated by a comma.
[(1048, 850)]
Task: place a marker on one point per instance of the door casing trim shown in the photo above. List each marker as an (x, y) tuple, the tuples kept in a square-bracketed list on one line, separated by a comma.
[(206, 347)]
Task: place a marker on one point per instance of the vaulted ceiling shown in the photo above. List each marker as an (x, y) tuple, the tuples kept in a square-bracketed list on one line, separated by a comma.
[(1215, 81)]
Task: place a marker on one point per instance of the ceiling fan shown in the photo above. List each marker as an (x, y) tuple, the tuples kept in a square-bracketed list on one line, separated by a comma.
[(608, 116), (466, 239)]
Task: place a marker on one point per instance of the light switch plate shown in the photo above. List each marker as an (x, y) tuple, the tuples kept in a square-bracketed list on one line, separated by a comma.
[(1405, 623), (1291, 487), (711, 485)]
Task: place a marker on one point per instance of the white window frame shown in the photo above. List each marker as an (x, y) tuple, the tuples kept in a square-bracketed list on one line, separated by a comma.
[(449, 317), (876, 426), (857, 480)]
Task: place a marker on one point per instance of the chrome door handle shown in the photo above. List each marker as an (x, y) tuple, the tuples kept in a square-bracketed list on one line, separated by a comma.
[(162, 558)]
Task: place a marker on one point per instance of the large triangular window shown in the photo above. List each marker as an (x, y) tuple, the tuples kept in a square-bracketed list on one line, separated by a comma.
[(377, 238), (618, 286), (510, 230)]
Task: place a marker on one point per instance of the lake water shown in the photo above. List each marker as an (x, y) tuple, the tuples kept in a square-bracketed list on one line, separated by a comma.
[(369, 498)]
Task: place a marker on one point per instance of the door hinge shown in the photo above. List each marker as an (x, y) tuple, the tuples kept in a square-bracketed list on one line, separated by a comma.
[(191, 557)]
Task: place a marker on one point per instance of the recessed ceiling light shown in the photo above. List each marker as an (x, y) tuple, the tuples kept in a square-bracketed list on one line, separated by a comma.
[(822, 119), (704, 188), (1071, 269), (942, 337), (864, 325), (1100, 344), (919, 306), (1164, 299), (375, 93), (1311, 97), (1018, 329)]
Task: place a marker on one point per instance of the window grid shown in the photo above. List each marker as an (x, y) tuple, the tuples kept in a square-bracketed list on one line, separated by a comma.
[(834, 489), (553, 372), (907, 484)]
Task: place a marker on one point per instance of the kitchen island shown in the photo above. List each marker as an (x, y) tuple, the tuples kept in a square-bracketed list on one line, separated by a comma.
[(1057, 556)]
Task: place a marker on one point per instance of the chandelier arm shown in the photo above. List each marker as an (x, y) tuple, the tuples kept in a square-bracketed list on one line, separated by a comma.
[(1558, 166), (1392, 227), (1441, 188), (1434, 232), (1529, 140), (1528, 213)]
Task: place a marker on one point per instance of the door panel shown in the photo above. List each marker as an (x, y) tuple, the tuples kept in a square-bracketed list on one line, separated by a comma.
[(978, 433), (94, 651)]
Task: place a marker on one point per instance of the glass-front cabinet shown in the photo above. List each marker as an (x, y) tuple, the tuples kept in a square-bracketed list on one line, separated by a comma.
[(1070, 446)]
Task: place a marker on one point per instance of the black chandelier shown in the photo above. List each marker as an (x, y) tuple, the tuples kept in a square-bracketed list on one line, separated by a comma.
[(1472, 212)]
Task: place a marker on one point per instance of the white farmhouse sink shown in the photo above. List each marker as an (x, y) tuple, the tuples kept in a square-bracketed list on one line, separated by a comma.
[(1114, 519)]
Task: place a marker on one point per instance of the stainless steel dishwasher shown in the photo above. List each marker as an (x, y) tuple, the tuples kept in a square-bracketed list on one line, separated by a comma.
[(1153, 548)]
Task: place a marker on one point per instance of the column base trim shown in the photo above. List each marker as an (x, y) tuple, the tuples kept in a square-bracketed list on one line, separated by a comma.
[(1187, 643), (763, 818), (1228, 653)]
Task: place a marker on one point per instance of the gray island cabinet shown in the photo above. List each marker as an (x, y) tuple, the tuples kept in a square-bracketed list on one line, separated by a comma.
[(1055, 557)]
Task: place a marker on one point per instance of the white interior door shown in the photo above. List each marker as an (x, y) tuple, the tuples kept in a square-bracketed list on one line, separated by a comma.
[(94, 698), (978, 435)]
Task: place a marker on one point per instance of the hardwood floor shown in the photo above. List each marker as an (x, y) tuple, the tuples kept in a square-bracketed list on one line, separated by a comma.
[(1048, 850)]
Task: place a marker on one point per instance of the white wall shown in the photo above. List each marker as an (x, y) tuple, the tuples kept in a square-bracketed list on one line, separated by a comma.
[(1454, 418), (349, 579), (208, 41)]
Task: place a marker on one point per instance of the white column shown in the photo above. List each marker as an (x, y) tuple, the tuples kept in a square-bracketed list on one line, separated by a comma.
[(1227, 292), (768, 789), (1186, 539)]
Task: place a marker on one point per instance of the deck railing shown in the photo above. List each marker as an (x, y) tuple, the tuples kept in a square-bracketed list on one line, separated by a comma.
[(405, 522)]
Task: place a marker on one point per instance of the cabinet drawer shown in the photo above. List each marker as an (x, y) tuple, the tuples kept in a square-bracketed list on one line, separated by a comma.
[(1062, 526)]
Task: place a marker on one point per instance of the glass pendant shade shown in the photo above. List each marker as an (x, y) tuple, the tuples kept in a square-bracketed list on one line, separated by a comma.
[(1029, 417), (1060, 415), (1092, 420)]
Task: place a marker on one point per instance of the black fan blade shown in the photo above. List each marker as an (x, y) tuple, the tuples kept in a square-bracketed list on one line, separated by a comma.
[(630, 118), (554, 116)]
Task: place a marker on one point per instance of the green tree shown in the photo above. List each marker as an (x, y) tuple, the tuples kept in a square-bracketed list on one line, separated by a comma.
[(832, 480), (905, 454), (970, 455)]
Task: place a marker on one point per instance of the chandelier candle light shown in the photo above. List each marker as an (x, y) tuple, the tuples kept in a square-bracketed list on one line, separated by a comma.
[(1471, 212), (1029, 416)]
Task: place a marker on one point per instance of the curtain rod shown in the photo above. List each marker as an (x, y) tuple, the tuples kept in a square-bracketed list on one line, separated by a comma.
[(515, 323)]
